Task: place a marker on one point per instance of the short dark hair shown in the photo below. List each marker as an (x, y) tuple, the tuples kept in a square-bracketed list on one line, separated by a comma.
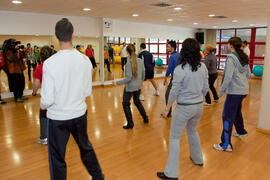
[(172, 43), (28, 44), (52, 46), (245, 42), (64, 30), (78, 46), (143, 46), (45, 53)]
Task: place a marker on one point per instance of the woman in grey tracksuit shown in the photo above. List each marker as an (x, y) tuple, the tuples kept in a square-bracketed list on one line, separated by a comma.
[(134, 76), (190, 85), (235, 85)]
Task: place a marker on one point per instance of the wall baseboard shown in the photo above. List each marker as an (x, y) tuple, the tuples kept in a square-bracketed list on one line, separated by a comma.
[(265, 131)]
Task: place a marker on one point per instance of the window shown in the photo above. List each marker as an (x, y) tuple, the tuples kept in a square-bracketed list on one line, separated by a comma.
[(244, 34), (259, 50), (226, 35), (163, 48), (261, 34), (154, 48), (224, 49)]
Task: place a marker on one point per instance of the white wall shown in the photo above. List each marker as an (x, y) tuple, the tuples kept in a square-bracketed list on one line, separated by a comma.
[(20, 23), (146, 30)]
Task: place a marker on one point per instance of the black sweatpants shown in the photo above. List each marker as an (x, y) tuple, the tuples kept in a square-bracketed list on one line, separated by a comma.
[(211, 81), (16, 84)]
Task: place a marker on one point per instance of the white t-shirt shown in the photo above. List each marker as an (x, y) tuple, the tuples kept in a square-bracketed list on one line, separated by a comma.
[(247, 51), (67, 81), (123, 51)]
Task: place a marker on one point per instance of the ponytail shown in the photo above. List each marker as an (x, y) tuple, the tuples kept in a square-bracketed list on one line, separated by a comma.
[(243, 56), (236, 42), (131, 51)]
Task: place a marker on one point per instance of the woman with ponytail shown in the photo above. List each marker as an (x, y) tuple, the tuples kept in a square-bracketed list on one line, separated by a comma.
[(235, 85), (134, 76)]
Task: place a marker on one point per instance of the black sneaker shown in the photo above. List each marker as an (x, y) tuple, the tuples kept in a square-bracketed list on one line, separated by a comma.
[(24, 98), (161, 175), (19, 100), (2, 101)]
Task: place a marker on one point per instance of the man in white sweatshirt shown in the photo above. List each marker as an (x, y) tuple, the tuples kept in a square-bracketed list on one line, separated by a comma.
[(67, 81)]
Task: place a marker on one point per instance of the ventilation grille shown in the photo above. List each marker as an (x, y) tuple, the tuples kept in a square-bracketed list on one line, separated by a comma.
[(163, 4)]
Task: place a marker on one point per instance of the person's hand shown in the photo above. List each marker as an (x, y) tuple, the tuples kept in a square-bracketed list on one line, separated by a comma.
[(165, 82), (165, 114)]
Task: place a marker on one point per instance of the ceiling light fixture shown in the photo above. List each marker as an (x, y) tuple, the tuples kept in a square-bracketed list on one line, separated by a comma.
[(214, 26), (195, 23), (235, 21), (211, 15), (177, 8), (86, 9), (17, 2), (251, 25), (170, 20), (135, 15)]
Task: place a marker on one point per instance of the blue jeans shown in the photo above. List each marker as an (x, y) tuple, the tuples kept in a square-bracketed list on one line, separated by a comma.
[(232, 115), (58, 135)]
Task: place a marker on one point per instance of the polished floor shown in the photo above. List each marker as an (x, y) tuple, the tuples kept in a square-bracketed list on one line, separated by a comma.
[(134, 154)]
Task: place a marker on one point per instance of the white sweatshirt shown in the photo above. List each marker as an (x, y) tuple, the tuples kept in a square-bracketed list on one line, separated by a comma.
[(66, 82)]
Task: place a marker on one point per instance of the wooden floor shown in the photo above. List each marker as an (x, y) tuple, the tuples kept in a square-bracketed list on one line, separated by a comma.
[(134, 154)]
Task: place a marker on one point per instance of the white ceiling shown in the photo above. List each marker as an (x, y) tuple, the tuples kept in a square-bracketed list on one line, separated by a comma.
[(245, 11)]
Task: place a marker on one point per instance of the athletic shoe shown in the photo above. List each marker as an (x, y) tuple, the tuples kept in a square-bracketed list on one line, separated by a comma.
[(207, 104), (24, 98), (19, 100), (141, 97), (42, 141), (161, 175), (239, 135), (216, 100), (2, 102), (219, 148), (156, 93), (200, 164)]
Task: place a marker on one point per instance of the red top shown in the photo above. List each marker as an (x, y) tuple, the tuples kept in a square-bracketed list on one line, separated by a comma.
[(38, 72), (88, 52), (2, 60)]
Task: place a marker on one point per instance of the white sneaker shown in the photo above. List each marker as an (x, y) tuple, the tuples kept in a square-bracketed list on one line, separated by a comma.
[(156, 93), (42, 141), (239, 135), (207, 104), (216, 101), (141, 97), (219, 148)]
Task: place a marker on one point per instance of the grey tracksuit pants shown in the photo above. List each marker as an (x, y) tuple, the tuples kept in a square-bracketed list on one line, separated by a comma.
[(185, 116)]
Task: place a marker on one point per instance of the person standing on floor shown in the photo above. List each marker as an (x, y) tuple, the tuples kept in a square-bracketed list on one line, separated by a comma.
[(134, 76), (173, 62), (211, 64), (106, 59), (66, 82), (29, 60), (15, 68), (149, 64), (235, 85), (2, 67), (246, 48), (45, 53), (89, 53), (123, 54), (189, 86), (111, 55), (36, 55)]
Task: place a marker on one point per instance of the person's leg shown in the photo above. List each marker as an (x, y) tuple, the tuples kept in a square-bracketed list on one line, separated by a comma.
[(125, 61), (21, 85), (153, 82), (229, 115), (179, 121), (29, 70), (208, 98), (108, 65), (122, 63), (43, 123), (212, 79), (193, 136), (126, 106), (239, 123), (15, 78), (94, 62), (167, 96), (58, 135), (88, 155), (139, 105)]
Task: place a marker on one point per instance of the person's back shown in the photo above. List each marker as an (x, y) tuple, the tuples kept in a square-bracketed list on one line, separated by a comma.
[(70, 73), (211, 63), (148, 60), (192, 86)]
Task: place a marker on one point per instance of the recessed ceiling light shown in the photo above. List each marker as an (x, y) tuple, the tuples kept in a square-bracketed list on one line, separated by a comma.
[(234, 20), (86, 9), (170, 19), (177, 8), (214, 26), (211, 15), (195, 23), (251, 25), (135, 15), (17, 2)]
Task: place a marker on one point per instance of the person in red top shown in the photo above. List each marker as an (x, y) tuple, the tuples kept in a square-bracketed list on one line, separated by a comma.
[(45, 53), (89, 53), (106, 59), (2, 67)]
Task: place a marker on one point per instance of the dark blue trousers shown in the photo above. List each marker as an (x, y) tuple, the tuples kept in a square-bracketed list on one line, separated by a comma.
[(232, 115), (58, 135)]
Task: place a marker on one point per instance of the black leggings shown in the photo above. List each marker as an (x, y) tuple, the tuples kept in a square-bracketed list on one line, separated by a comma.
[(93, 61), (211, 81), (16, 84)]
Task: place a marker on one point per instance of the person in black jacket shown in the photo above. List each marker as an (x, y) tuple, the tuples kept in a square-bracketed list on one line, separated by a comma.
[(149, 64)]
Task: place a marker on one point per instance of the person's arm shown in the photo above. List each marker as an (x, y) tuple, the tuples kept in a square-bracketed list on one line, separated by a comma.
[(229, 69), (205, 82), (88, 89), (47, 88), (36, 86), (179, 75), (143, 72), (168, 72), (128, 74), (207, 62)]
